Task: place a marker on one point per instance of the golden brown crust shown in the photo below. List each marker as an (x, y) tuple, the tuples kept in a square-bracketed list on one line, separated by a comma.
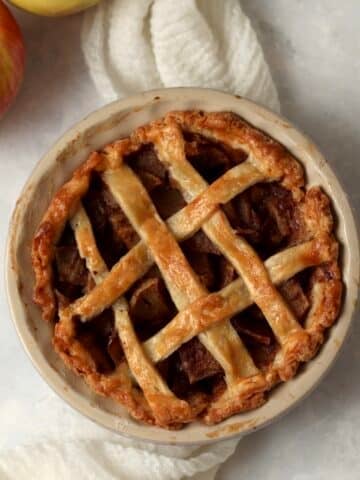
[(269, 156), (62, 206), (117, 386), (201, 314)]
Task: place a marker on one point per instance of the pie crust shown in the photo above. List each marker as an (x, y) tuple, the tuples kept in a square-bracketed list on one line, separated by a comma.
[(203, 317)]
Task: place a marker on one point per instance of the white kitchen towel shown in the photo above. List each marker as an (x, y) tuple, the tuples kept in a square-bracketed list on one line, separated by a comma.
[(63, 445), (131, 46)]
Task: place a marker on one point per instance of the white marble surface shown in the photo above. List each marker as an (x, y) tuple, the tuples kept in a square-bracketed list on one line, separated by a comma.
[(313, 49)]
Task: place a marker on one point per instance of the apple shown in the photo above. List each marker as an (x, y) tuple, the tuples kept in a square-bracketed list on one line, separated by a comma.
[(54, 8), (12, 58)]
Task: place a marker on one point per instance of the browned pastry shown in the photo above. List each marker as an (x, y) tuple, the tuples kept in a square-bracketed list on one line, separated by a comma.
[(187, 270)]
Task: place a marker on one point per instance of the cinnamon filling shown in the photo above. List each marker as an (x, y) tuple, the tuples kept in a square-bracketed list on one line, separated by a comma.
[(263, 215)]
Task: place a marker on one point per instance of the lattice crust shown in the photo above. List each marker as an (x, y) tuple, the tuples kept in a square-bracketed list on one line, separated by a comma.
[(136, 382)]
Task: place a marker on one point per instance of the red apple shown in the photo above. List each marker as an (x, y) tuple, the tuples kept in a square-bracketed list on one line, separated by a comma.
[(12, 58)]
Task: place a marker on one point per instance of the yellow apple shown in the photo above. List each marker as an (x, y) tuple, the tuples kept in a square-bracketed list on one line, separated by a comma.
[(12, 58), (54, 8)]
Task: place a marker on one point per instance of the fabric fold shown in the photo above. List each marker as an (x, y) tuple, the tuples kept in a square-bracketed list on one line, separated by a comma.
[(61, 444), (135, 46)]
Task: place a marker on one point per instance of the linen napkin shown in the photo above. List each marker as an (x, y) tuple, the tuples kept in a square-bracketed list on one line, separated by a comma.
[(60, 444), (131, 46)]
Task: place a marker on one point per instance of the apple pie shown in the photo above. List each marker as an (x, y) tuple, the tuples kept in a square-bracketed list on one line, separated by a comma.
[(186, 269)]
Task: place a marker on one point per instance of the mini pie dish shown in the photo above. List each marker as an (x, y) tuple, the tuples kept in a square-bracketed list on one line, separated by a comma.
[(118, 120)]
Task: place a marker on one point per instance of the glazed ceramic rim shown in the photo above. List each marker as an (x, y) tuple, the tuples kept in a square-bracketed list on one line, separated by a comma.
[(305, 151)]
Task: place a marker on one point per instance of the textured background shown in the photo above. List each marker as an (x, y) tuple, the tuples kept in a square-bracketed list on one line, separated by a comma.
[(313, 49)]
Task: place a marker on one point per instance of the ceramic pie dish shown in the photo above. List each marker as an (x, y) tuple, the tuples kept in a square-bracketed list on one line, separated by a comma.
[(295, 344)]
